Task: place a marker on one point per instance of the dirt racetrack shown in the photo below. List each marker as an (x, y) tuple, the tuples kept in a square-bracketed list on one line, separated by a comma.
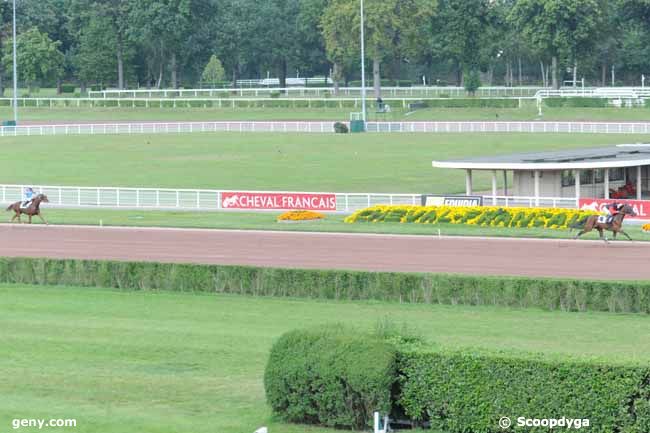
[(479, 256)]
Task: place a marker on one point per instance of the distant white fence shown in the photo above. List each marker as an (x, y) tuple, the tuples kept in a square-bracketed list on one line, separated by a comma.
[(176, 199), (327, 127), (211, 200)]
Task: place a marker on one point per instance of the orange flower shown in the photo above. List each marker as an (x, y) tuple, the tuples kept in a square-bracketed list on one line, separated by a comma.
[(300, 215)]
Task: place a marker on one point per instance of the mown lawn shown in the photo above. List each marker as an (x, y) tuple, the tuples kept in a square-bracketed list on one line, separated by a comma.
[(267, 221), (162, 362), (399, 163)]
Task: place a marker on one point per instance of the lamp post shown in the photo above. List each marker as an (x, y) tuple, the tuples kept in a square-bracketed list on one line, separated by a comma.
[(15, 66), (363, 72)]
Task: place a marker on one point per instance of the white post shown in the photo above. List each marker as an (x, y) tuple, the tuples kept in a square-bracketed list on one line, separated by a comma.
[(576, 175), (536, 188), (363, 70), (468, 182), (638, 183), (15, 66), (505, 182), (606, 183), (494, 187)]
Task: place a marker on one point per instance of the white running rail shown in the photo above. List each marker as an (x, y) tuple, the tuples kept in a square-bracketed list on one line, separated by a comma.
[(327, 127)]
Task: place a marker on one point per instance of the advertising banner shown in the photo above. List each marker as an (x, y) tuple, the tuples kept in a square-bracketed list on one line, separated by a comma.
[(451, 200), (278, 201), (641, 207)]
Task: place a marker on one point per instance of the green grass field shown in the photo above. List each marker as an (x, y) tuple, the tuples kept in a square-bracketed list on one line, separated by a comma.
[(161, 362), (399, 163), (526, 113), (267, 221)]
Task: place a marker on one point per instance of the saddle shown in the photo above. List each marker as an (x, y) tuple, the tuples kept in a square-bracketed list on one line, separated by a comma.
[(25, 204), (604, 219)]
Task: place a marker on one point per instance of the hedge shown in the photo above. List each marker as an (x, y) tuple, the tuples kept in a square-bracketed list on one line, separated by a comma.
[(472, 103), (466, 391), (333, 377), (576, 102), (520, 292)]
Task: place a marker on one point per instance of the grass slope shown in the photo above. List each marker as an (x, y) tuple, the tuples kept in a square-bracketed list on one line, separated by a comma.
[(179, 362), (294, 162)]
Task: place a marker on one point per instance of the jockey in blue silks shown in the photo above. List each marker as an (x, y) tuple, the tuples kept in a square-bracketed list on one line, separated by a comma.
[(28, 196)]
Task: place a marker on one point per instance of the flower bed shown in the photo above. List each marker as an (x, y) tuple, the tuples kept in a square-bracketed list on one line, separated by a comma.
[(483, 216), (646, 228), (301, 215)]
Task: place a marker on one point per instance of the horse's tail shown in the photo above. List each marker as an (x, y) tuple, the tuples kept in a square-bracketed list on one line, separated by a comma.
[(9, 208)]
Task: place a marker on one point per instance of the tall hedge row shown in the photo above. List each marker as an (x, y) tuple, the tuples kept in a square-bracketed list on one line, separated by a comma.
[(576, 102), (472, 103), (549, 294), (463, 392), (331, 377)]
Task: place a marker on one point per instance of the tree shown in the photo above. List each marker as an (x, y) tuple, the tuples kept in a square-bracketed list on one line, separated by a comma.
[(38, 57), (213, 71), (89, 57), (558, 29)]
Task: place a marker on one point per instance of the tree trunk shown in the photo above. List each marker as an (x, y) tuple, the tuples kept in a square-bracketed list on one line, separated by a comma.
[(235, 75), (575, 73), (613, 75), (490, 75), (58, 86), (519, 72), (160, 74), (174, 68), (120, 63), (505, 79), (336, 76), (541, 65), (603, 74), (82, 87), (459, 75), (554, 74), (376, 77), (283, 73)]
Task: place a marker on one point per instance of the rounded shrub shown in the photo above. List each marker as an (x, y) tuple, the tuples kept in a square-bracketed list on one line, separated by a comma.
[(331, 376)]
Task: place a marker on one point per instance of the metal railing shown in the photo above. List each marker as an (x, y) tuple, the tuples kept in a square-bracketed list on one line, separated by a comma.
[(327, 127), (211, 200), (178, 199)]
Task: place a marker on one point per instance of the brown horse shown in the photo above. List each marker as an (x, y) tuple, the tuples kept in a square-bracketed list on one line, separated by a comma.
[(616, 226), (33, 209)]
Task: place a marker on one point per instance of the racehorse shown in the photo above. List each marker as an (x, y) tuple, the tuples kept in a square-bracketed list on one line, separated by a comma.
[(616, 226), (31, 210)]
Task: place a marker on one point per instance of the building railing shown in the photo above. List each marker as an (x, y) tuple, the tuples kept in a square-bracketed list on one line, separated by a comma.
[(76, 197), (327, 127)]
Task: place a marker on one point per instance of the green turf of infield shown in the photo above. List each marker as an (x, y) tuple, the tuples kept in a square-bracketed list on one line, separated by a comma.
[(399, 163), (528, 112), (160, 362), (267, 221)]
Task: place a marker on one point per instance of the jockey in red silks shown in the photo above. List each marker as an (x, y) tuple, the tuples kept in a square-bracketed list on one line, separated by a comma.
[(612, 210)]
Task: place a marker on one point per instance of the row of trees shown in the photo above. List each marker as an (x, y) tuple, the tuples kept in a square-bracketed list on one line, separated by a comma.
[(154, 43)]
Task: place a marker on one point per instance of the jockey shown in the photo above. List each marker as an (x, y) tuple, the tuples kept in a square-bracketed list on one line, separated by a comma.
[(28, 196), (612, 210)]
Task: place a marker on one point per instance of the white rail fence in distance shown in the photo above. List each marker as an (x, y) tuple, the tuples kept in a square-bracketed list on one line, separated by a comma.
[(328, 127)]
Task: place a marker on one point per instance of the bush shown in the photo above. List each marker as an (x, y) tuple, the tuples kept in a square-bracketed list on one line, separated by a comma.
[(67, 88), (341, 128), (472, 82), (519, 292), (384, 83), (459, 392), (446, 102), (334, 377), (275, 94), (576, 102)]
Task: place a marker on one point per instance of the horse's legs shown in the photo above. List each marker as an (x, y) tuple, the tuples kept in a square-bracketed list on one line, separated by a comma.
[(42, 219), (626, 235), (30, 219)]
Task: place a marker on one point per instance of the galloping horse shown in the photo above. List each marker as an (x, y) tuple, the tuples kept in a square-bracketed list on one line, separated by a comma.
[(31, 210), (616, 226)]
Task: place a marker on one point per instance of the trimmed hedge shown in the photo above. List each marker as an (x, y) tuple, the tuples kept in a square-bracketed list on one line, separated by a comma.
[(472, 103), (521, 292), (576, 102), (460, 392), (332, 377)]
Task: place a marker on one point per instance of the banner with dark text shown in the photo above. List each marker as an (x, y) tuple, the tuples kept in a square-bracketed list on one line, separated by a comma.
[(451, 200), (278, 201)]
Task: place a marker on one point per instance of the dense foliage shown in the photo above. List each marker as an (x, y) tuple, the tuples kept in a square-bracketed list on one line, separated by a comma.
[(333, 376), (520, 292), (169, 43), (464, 391)]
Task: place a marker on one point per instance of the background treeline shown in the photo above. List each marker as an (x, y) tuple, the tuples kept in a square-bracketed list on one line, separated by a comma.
[(168, 43)]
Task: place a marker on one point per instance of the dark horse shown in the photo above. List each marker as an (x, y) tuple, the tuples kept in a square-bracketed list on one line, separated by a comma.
[(33, 209), (616, 226)]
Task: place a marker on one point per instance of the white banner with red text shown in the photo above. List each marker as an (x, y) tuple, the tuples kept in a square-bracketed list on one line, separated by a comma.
[(641, 207)]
